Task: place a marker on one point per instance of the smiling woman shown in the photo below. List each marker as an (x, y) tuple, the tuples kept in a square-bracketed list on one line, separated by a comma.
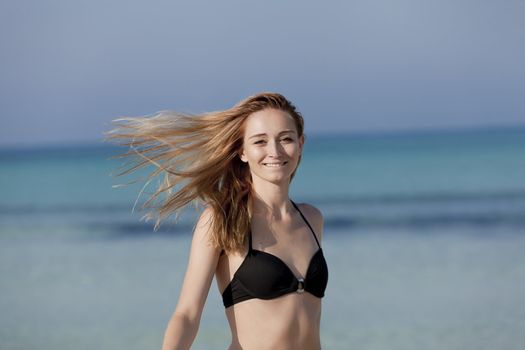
[(271, 143), (238, 164)]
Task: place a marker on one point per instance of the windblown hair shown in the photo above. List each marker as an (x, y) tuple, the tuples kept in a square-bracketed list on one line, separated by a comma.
[(199, 158)]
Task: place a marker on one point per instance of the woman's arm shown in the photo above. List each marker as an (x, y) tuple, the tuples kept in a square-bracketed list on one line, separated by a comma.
[(184, 323)]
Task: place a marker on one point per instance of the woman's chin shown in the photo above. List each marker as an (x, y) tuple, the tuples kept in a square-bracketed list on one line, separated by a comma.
[(276, 179), (280, 180)]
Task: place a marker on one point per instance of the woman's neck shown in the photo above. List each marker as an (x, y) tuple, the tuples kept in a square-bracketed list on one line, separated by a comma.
[(271, 200)]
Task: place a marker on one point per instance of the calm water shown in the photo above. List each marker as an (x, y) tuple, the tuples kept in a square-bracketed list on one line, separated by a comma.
[(424, 237)]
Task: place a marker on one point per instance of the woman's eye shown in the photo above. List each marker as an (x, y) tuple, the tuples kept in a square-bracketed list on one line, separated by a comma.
[(262, 142)]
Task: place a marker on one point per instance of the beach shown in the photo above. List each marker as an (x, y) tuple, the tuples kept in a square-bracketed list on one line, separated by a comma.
[(424, 239)]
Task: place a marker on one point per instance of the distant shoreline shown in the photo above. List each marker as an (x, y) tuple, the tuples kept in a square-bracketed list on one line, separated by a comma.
[(92, 145)]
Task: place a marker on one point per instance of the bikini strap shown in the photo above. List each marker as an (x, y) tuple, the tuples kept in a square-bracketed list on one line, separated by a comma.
[(307, 223), (250, 240)]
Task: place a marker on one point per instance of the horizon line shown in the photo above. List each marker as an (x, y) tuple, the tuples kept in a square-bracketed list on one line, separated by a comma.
[(319, 135)]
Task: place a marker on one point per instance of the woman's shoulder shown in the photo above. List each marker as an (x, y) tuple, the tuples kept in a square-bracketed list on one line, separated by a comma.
[(314, 217), (204, 222)]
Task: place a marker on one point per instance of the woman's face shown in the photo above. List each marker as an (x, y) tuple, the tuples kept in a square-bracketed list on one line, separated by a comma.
[(271, 146)]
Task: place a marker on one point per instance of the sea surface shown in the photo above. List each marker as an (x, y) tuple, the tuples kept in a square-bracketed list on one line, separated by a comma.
[(424, 238)]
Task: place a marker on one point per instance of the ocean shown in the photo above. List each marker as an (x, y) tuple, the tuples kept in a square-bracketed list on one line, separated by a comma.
[(424, 239)]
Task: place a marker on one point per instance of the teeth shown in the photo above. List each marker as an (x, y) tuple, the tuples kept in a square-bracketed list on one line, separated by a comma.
[(275, 165)]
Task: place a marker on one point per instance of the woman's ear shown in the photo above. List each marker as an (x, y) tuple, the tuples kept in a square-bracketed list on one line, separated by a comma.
[(301, 142), (242, 155)]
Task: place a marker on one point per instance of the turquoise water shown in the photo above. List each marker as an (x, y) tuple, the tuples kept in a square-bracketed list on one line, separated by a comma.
[(424, 237)]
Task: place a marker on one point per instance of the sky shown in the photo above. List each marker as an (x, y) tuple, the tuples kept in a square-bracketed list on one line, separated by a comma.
[(69, 67)]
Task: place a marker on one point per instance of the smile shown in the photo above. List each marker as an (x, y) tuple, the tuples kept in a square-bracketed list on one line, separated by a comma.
[(275, 165)]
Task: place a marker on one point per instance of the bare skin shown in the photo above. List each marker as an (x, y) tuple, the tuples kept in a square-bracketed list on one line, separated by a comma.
[(291, 321), (288, 322)]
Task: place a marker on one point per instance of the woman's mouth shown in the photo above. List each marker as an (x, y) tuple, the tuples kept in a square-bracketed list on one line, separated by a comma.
[(275, 164)]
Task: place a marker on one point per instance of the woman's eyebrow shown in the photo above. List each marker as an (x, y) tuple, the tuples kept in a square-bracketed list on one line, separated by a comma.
[(264, 134)]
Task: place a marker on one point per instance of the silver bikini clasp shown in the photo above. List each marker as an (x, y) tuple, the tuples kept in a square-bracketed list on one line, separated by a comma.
[(300, 285)]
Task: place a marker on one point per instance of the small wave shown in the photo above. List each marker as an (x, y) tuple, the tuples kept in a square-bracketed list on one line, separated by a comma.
[(138, 229), (347, 200), (427, 221), (426, 197), (26, 209)]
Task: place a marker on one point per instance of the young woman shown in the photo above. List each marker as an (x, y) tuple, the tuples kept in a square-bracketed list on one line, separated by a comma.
[(263, 248)]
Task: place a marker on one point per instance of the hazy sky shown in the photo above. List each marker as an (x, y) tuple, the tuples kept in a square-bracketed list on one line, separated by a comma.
[(69, 67)]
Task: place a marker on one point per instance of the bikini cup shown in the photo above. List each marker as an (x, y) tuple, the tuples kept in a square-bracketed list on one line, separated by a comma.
[(263, 275)]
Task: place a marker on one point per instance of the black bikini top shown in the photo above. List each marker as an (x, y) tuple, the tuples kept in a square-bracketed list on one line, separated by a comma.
[(265, 276)]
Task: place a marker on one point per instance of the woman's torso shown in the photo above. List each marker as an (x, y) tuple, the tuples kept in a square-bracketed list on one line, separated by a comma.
[(291, 320)]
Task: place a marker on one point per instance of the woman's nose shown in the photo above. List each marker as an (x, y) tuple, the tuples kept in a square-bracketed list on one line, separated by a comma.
[(274, 149)]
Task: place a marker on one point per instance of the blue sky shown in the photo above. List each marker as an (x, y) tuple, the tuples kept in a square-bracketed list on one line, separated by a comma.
[(69, 67)]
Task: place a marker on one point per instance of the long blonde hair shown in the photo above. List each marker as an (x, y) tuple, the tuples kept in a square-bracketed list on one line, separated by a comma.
[(199, 158)]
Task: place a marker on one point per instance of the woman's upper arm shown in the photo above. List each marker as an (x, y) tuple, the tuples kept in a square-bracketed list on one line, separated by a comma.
[(202, 264)]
